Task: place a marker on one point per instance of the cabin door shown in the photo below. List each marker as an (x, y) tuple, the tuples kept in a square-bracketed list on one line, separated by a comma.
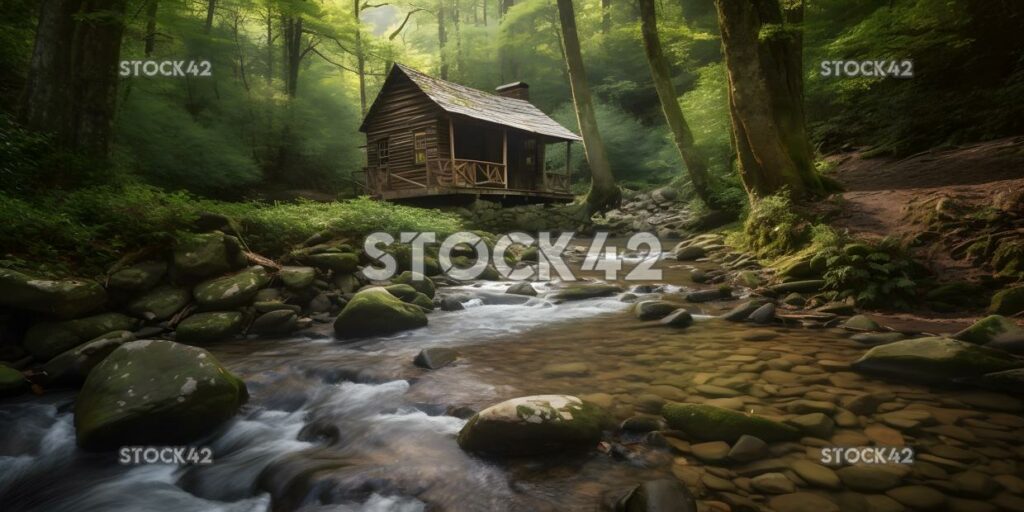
[(523, 161)]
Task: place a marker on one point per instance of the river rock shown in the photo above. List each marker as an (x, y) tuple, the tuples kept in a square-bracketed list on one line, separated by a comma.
[(231, 291), (814, 424), (666, 495), (802, 502), (207, 254), (435, 357), (816, 474), (873, 339), (808, 286), (534, 425), (374, 311), (1007, 302), (722, 293), (1011, 381), (275, 323), (72, 367), (994, 331), (934, 360), (748, 448), (763, 315), (679, 318), (710, 423), (918, 497), (46, 340), (63, 298), (420, 282), (155, 392), (522, 288), (338, 262), (741, 312), (869, 478), (586, 291), (423, 302), (690, 253), (773, 483), (653, 309), (160, 303), (209, 327), (138, 277), (404, 292), (297, 278), (12, 382), (861, 323)]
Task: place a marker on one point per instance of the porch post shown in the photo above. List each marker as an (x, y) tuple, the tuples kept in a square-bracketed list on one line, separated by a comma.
[(451, 140), (504, 154), (568, 167)]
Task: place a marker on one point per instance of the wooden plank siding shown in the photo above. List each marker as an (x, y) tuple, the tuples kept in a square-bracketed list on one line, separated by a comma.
[(401, 111)]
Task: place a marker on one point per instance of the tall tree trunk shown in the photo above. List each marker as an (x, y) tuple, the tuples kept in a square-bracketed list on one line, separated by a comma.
[(151, 8), (292, 52), (360, 55), (766, 96), (71, 89), (211, 8), (606, 16), (270, 45), (442, 39), (696, 166), (504, 6), (603, 194), (459, 64), (483, 5)]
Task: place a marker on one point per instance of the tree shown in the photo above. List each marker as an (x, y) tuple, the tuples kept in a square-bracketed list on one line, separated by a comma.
[(763, 45), (696, 165), (604, 193), (72, 82), (151, 8)]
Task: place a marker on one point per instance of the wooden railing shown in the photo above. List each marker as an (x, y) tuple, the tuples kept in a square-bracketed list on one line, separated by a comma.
[(556, 182), (453, 173), (468, 173)]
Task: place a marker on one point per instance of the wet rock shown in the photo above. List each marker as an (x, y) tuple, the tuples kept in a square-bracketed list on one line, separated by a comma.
[(46, 340), (423, 302), (747, 448), (690, 253), (207, 254), (869, 478), (773, 483), (275, 323), (816, 474), (861, 323), (556, 370), (209, 327), (710, 423), (322, 304), (297, 278), (699, 276), (837, 308), (679, 318), (667, 495), (866, 404), (522, 288), (760, 335), (403, 291), (918, 497), (72, 367), (802, 502), (712, 452), (763, 315), (741, 312), (974, 484), (653, 309), (435, 357), (373, 312), (231, 291), (586, 291), (138, 277), (420, 282), (534, 425), (808, 286), (63, 298), (815, 425), (642, 423), (337, 262), (1011, 381), (934, 360), (160, 303), (873, 339), (795, 300), (155, 392), (1007, 302), (994, 331), (12, 382), (722, 293), (451, 303)]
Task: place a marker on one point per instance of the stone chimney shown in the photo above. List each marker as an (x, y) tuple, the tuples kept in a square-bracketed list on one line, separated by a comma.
[(517, 90)]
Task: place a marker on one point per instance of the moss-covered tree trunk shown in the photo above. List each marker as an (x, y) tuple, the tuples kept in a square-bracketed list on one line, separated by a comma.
[(696, 166), (604, 194), (763, 46)]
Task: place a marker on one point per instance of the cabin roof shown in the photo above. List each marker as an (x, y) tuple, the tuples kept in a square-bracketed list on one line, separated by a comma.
[(459, 99)]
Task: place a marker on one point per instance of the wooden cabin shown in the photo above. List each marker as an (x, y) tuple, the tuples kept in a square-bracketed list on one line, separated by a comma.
[(430, 137)]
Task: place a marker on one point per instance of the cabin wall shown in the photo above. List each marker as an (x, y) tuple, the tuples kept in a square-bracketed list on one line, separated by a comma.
[(400, 111)]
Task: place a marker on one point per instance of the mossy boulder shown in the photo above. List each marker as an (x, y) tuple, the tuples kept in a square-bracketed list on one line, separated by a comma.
[(665, 495), (806, 286), (710, 423), (231, 291), (338, 262), (207, 254), (653, 309), (138, 277), (209, 327), (155, 392), (522, 288), (375, 311), (420, 282), (994, 331), (62, 298), (160, 303), (586, 291), (72, 367), (531, 254), (423, 301), (403, 291), (46, 340), (934, 360), (12, 382), (297, 278), (277, 322), (534, 425), (1007, 302)]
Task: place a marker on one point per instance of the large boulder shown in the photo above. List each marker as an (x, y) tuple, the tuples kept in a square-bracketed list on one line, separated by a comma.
[(155, 392), (208, 327), (277, 322), (233, 290), (12, 382), (532, 425), (586, 291), (160, 303), (420, 282), (63, 298), (72, 367), (710, 423), (375, 311), (297, 278), (138, 277), (48, 339), (1007, 302), (653, 309), (435, 357), (934, 360), (994, 331), (207, 254), (403, 291)]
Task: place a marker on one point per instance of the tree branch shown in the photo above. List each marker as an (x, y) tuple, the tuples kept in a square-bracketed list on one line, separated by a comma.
[(402, 26)]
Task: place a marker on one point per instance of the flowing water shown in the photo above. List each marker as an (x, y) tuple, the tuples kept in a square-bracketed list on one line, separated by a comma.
[(356, 426)]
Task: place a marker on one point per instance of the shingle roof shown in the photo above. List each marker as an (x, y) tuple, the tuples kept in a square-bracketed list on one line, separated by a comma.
[(512, 112)]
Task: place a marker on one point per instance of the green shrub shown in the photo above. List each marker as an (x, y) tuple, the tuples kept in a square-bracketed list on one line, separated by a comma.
[(772, 228)]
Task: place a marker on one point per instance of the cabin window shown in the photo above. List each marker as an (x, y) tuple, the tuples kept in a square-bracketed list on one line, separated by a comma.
[(419, 147), (530, 150), (382, 152)]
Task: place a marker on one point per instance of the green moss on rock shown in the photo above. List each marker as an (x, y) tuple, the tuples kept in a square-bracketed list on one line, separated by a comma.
[(160, 303), (63, 298), (1007, 302), (208, 327), (420, 282), (586, 291), (375, 311), (48, 339), (533, 425), (233, 290), (710, 423), (934, 360)]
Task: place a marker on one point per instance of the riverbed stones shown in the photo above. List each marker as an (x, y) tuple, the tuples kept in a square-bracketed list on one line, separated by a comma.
[(710, 423), (742, 311), (861, 323), (994, 331), (275, 323), (653, 309), (873, 339), (204, 255), (816, 474), (665, 495), (73, 366), (375, 312), (62, 298), (337, 262), (918, 497), (160, 303), (721, 293), (814, 424), (869, 478), (534, 425), (802, 502), (679, 319), (208, 327), (773, 483), (138, 277), (690, 253), (556, 370), (46, 340), (712, 452), (747, 448), (806, 286), (155, 392), (297, 278), (763, 315), (434, 358), (420, 282), (586, 291), (934, 360), (231, 291), (1007, 302), (403, 291), (522, 288)]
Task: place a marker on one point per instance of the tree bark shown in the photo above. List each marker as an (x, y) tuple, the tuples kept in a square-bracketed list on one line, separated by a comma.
[(504, 6), (606, 16), (270, 45), (211, 9), (696, 165), (603, 194), (293, 53), (442, 39), (360, 56), (151, 9), (763, 46)]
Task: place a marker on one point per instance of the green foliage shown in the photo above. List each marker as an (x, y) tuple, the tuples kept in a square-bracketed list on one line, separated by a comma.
[(772, 228), (874, 275)]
